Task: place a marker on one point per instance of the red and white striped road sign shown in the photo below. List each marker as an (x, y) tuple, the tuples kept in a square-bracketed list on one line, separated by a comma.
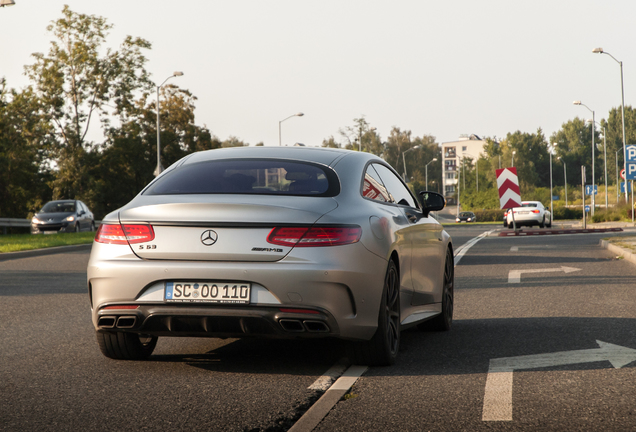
[(508, 185)]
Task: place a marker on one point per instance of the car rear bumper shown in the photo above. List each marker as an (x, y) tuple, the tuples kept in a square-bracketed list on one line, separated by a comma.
[(342, 294), (216, 321)]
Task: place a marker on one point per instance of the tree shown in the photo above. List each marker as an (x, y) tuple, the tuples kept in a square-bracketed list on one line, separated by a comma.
[(24, 141), (531, 158), (124, 165), (574, 146), (361, 136), (75, 83)]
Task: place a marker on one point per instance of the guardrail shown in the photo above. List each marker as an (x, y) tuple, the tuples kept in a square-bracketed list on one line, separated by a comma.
[(21, 223), (10, 222)]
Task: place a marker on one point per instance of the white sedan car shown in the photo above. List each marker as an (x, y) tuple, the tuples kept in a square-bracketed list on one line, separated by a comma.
[(530, 213)]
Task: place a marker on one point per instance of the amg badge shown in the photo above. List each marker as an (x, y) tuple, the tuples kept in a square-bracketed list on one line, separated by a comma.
[(257, 249)]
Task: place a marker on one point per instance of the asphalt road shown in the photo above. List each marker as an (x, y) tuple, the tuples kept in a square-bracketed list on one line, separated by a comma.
[(53, 377)]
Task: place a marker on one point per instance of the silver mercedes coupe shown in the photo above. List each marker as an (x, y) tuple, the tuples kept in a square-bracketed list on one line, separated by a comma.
[(283, 242)]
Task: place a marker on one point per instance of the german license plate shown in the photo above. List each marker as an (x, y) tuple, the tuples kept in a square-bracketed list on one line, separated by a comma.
[(208, 292)]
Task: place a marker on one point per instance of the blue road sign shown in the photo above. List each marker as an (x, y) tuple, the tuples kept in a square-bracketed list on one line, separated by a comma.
[(587, 209), (631, 153), (629, 187), (591, 190)]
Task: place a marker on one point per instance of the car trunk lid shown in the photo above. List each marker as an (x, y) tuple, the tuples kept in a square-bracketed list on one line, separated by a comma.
[(220, 228)]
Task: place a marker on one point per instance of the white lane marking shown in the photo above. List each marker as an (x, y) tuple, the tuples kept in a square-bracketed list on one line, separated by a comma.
[(461, 251), (330, 376), (327, 401), (498, 391), (514, 276)]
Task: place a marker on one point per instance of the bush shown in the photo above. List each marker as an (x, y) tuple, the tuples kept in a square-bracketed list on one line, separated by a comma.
[(489, 215), (567, 213)]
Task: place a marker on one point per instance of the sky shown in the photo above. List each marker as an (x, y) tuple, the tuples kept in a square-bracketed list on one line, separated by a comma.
[(441, 68)]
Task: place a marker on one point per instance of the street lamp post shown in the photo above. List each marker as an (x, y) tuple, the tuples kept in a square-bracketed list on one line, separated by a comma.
[(404, 160), (286, 118), (565, 176), (551, 150), (593, 133), (159, 168), (458, 189), (600, 51), (426, 171), (513, 158), (617, 181), (604, 160)]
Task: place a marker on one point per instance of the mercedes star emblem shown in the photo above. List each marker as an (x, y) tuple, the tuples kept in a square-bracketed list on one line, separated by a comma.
[(209, 237)]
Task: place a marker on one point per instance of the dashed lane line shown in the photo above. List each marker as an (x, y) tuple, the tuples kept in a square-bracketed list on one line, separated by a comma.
[(321, 408)]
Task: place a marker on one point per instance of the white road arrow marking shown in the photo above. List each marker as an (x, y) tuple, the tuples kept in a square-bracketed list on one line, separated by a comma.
[(498, 393), (514, 276), (516, 248)]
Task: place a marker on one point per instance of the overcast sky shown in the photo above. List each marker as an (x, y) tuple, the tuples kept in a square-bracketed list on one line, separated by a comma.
[(441, 68)]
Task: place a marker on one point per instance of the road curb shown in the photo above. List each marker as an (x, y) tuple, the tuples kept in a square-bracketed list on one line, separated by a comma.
[(557, 231), (40, 252), (619, 251)]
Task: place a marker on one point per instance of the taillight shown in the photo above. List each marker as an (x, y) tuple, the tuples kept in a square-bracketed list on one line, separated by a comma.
[(139, 233), (536, 211), (314, 236), (124, 234)]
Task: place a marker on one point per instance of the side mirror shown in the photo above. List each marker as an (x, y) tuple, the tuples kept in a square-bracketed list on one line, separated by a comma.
[(431, 201)]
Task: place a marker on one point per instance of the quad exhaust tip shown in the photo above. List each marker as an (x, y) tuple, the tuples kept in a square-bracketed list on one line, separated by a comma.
[(122, 322), (298, 326)]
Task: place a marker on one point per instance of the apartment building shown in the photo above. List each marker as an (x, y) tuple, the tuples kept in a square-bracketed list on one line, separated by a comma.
[(452, 153)]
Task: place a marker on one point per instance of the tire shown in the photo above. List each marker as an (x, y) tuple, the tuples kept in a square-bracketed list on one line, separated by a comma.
[(550, 224), (542, 224), (126, 346), (77, 227), (382, 348), (444, 321), (93, 226), (505, 223)]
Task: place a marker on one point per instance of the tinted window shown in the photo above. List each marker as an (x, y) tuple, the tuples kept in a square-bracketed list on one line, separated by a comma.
[(59, 207), (248, 176), (395, 187), (528, 205), (373, 188)]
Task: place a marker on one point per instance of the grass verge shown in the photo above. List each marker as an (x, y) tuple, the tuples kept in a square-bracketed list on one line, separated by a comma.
[(22, 242)]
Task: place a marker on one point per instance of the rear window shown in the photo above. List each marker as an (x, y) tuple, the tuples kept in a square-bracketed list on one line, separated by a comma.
[(528, 204), (248, 176)]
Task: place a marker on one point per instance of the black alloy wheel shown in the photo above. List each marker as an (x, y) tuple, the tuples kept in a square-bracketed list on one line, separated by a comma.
[(383, 347)]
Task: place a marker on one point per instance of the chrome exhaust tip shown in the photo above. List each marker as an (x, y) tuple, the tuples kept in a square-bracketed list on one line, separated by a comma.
[(126, 321), (292, 325), (106, 321), (316, 326)]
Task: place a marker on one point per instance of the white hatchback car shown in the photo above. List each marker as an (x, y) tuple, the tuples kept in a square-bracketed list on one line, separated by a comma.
[(530, 213)]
